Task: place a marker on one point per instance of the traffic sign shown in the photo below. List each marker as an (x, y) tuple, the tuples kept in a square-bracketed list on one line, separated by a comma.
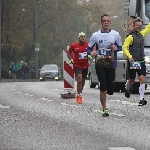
[(37, 48)]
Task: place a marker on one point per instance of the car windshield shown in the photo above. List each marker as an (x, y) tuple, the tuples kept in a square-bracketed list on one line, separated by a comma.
[(49, 67), (147, 8)]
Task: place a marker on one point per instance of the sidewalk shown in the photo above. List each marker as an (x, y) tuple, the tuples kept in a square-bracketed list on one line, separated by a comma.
[(19, 80)]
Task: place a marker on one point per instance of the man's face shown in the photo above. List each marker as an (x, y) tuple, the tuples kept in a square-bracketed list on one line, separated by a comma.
[(82, 39), (105, 22), (137, 26)]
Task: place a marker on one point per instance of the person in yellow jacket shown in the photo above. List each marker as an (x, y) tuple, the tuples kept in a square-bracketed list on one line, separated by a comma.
[(133, 48)]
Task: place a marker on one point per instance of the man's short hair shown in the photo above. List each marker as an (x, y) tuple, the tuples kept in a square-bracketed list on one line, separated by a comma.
[(137, 20), (104, 15)]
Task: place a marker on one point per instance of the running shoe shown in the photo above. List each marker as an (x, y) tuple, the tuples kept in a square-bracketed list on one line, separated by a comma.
[(78, 99), (127, 93), (105, 113), (142, 102)]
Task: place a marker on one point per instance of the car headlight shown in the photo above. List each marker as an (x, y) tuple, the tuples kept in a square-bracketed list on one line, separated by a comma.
[(148, 71), (56, 78)]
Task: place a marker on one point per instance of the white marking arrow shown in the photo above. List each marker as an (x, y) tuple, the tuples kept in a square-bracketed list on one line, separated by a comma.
[(121, 148), (1, 106)]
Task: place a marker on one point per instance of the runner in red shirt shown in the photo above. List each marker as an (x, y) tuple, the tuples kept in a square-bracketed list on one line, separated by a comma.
[(77, 55)]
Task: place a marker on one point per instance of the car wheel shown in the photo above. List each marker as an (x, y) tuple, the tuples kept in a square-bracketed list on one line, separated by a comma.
[(117, 87), (59, 78), (92, 85), (123, 87), (56, 79), (99, 85)]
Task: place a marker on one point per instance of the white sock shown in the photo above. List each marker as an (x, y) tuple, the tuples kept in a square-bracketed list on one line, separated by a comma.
[(142, 91)]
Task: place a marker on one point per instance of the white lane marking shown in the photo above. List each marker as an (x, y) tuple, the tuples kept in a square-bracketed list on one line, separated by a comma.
[(74, 106), (45, 99), (97, 111), (49, 100), (65, 104), (124, 102), (1, 106), (120, 115), (57, 90), (13, 87), (114, 100), (121, 148), (25, 94)]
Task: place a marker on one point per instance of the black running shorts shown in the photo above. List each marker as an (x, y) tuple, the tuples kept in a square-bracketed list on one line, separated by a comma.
[(132, 72), (106, 77), (84, 72)]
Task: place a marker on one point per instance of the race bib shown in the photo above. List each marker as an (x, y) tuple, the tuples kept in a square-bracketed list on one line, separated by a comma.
[(105, 53), (83, 55), (135, 65)]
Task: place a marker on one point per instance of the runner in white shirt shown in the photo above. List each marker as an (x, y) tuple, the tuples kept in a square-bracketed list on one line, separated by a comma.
[(107, 43)]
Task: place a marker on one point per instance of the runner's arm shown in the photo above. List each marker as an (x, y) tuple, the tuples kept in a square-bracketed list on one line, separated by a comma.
[(91, 45), (128, 41), (119, 43), (69, 51), (146, 30)]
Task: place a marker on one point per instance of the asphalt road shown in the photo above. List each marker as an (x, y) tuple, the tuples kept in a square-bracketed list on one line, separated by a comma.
[(33, 116)]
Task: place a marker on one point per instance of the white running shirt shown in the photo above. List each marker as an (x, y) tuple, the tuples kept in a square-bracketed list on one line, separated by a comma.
[(105, 40)]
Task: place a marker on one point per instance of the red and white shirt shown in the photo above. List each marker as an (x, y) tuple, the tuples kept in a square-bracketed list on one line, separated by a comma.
[(79, 52)]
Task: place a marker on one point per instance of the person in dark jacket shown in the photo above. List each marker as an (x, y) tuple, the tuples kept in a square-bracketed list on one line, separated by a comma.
[(26, 70)]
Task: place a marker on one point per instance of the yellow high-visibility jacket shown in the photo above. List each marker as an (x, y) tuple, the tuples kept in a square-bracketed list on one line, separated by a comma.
[(129, 40)]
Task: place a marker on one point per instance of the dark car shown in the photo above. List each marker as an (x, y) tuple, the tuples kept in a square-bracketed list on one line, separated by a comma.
[(50, 71)]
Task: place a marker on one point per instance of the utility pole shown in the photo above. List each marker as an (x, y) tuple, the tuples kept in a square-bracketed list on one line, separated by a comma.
[(0, 38), (36, 43)]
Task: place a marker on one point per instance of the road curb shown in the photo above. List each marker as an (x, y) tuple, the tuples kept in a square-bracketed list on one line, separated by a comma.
[(19, 80)]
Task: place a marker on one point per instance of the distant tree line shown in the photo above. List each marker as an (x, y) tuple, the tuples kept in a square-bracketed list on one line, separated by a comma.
[(58, 24)]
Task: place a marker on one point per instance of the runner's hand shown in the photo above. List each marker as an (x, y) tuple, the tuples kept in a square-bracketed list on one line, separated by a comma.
[(71, 61), (131, 59), (89, 57), (114, 47), (93, 53)]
